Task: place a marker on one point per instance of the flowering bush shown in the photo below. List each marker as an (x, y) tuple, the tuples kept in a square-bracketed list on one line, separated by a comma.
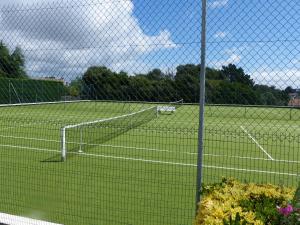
[(253, 203), (289, 213), (285, 210)]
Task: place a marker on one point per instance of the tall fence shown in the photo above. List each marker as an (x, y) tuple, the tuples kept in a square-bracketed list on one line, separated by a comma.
[(117, 136)]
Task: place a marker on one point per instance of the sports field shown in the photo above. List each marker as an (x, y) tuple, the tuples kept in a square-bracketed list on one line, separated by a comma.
[(146, 175)]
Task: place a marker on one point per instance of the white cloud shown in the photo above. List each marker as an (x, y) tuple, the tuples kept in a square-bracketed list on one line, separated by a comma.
[(233, 59), (220, 34), (66, 40), (279, 78), (218, 4), (296, 61)]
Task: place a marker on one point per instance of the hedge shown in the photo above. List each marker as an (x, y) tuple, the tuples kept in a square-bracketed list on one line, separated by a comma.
[(30, 90)]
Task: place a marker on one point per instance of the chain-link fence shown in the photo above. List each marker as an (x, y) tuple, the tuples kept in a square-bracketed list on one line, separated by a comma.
[(253, 77), (100, 105)]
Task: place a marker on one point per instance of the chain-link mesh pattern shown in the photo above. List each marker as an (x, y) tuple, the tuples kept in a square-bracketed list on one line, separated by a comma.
[(252, 96), (70, 71), (77, 62)]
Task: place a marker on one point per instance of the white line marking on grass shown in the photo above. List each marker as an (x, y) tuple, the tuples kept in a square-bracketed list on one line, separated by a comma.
[(253, 158), (238, 157), (18, 126), (30, 148), (255, 141), (35, 139), (250, 170), (154, 161), (18, 220), (153, 149), (102, 145), (137, 148), (6, 128), (134, 159)]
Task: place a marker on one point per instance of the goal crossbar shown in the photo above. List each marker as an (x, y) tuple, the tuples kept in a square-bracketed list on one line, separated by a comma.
[(90, 123)]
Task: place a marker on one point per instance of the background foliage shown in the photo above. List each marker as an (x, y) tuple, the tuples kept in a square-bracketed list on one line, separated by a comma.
[(229, 85)]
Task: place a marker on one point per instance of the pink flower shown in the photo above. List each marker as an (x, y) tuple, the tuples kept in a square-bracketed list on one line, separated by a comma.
[(286, 211)]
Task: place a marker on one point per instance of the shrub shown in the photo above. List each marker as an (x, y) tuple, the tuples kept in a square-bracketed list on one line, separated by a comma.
[(253, 203)]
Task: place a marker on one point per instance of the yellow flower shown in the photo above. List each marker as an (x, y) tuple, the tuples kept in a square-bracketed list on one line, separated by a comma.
[(224, 201)]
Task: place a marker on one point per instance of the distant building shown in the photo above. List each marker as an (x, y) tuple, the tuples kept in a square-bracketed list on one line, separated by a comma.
[(294, 102), (294, 98)]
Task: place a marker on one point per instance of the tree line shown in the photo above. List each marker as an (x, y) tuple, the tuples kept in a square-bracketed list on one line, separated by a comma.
[(228, 85)]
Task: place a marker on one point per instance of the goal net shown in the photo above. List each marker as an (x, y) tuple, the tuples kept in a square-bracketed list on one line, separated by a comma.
[(82, 136)]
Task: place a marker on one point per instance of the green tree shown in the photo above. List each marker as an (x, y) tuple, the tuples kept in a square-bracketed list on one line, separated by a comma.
[(18, 63), (214, 74), (269, 95), (234, 93), (12, 65), (102, 83), (187, 82), (75, 87), (230, 85), (4, 60), (234, 74), (289, 89), (155, 74)]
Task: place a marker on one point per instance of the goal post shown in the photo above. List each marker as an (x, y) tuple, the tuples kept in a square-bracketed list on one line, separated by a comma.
[(117, 125), (63, 144)]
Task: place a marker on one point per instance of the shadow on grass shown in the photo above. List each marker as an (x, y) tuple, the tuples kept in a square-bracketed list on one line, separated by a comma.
[(57, 157), (53, 159)]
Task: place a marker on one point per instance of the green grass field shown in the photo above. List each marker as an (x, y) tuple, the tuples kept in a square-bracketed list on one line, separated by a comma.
[(145, 176)]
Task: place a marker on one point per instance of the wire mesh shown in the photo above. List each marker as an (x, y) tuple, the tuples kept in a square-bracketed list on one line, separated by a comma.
[(65, 63), (252, 85), (82, 136)]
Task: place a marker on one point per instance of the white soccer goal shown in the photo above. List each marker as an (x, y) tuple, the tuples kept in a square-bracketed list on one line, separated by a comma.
[(116, 125)]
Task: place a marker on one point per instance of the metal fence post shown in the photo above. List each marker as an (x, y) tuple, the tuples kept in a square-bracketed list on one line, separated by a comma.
[(201, 106)]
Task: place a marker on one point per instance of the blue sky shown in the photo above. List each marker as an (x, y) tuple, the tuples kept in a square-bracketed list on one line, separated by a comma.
[(261, 36)]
